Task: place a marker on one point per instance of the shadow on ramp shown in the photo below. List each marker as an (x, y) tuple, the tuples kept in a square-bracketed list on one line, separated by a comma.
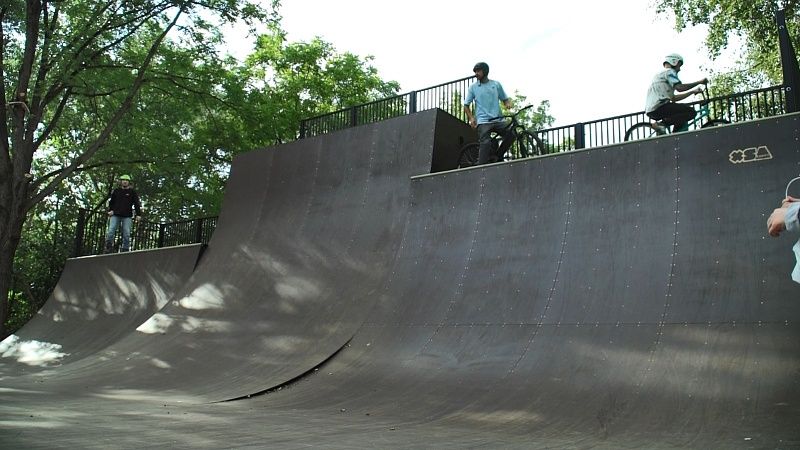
[(618, 297), (621, 296), (97, 301), (307, 233)]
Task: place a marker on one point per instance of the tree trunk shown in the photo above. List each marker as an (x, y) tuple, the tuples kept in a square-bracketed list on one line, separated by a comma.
[(5, 286), (10, 233), (16, 195)]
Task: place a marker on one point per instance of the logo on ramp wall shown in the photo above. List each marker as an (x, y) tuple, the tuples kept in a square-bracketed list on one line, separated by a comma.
[(751, 154)]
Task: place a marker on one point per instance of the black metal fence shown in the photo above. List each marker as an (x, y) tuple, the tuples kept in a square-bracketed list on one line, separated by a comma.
[(90, 233), (91, 227), (738, 107), (445, 96)]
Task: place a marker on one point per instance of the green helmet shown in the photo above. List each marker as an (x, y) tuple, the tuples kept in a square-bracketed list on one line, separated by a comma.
[(125, 177)]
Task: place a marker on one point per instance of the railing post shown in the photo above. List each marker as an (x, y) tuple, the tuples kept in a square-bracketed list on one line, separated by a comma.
[(412, 102), (580, 138), (791, 72), (198, 231), (80, 229), (353, 116), (161, 228)]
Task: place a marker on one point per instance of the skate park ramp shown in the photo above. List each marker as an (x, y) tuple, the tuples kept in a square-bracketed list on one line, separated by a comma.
[(618, 297), (303, 243), (97, 301)]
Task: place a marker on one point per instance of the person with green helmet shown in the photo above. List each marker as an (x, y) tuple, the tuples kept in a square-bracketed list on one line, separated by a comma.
[(487, 95), (661, 97), (121, 204)]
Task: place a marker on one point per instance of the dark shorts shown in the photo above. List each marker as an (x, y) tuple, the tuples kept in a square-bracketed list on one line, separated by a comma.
[(673, 113)]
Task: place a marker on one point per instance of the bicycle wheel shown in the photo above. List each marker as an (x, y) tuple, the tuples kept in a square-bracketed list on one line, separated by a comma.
[(642, 130), (530, 145), (469, 155), (715, 123)]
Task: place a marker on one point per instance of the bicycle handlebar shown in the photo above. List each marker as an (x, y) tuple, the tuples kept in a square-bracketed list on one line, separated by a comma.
[(706, 97), (512, 115)]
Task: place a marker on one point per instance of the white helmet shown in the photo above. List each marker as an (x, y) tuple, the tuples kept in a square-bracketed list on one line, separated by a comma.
[(673, 59)]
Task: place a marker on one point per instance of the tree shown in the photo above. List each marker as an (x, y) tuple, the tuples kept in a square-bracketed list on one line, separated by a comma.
[(94, 56), (537, 118), (291, 81), (192, 114), (749, 23)]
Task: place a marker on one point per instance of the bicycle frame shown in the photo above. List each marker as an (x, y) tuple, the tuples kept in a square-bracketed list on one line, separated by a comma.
[(643, 130), (702, 113), (528, 144), (514, 127)]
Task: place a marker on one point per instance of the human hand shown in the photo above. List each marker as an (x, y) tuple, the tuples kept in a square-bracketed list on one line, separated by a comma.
[(473, 123), (776, 222), (138, 218)]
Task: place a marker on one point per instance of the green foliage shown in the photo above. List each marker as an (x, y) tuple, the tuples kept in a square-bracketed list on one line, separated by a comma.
[(536, 118), (293, 81), (749, 24), (47, 241), (21, 311), (73, 80), (195, 110), (49, 235)]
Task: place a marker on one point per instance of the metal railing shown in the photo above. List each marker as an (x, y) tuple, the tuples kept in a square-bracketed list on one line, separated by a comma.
[(90, 233), (91, 227), (738, 107), (445, 96)]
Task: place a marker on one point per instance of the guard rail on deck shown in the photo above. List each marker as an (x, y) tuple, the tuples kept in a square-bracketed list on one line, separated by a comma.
[(90, 233), (445, 96), (91, 227), (738, 107)]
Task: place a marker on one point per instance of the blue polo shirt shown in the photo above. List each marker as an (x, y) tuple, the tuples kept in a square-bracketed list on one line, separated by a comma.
[(487, 97)]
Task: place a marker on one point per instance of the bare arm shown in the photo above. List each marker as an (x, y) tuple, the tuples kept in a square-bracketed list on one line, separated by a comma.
[(683, 87), (471, 118), (679, 97), (687, 89)]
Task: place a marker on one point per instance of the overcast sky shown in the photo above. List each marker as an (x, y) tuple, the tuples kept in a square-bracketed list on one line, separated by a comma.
[(592, 59)]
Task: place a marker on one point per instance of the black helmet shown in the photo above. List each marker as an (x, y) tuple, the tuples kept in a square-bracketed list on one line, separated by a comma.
[(482, 66)]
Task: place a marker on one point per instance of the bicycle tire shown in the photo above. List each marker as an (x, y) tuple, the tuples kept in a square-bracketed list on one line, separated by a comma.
[(530, 145), (642, 130), (715, 123), (469, 155)]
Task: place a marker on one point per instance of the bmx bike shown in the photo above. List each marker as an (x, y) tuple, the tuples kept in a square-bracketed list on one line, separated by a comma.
[(526, 143), (646, 130)]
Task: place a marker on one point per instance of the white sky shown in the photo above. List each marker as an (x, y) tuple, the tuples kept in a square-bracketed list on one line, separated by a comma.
[(592, 59)]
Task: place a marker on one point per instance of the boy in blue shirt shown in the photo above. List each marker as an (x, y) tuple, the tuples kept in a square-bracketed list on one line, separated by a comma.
[(487, 95)]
